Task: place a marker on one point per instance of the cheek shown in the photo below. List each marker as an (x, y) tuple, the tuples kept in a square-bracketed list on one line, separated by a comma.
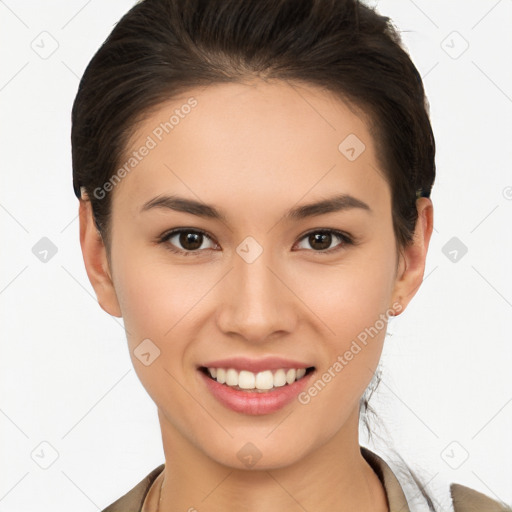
[(157, 302), (155, 295), (351, 357), (352, 296), (362, 303), (143, 299), (353, 302)]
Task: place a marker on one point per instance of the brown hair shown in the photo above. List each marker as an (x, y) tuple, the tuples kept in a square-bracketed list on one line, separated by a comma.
[(162, 48)]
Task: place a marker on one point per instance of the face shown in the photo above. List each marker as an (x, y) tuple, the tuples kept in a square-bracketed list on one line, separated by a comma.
[(254, 277)]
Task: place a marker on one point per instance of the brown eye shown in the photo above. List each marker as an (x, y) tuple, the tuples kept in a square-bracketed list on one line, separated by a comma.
[(321, 240), (186, 241), (190, 241)]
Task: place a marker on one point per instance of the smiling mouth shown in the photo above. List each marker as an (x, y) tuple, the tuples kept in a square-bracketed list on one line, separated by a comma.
[(260, 382)]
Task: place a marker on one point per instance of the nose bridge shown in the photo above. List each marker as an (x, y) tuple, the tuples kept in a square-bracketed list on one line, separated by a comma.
[(257, 303)]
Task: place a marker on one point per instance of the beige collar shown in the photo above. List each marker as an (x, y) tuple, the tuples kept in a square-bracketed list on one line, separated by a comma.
[(397, 501), (144, 496)]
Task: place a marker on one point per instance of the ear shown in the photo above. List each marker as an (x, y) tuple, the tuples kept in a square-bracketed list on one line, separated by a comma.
[(96, 262), (411, 267)]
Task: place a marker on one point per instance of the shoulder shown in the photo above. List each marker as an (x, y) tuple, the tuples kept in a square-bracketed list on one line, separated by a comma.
[(466, 499), (132, 501)]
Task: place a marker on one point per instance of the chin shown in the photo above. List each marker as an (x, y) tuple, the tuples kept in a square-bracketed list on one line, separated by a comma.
[(255, 453)]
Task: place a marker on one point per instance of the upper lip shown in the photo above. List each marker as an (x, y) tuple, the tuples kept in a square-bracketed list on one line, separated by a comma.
[(256, 365)]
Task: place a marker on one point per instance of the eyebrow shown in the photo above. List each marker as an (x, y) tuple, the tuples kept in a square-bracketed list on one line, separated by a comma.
[(336, 203)]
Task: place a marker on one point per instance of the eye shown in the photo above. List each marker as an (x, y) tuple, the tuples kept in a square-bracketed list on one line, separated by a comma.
[(191, 241), (321, 240)]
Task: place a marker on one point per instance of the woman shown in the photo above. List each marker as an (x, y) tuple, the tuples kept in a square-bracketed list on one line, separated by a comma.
[(254, 182)]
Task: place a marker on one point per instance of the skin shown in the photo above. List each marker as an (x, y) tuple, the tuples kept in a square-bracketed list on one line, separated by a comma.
[(255, 150)]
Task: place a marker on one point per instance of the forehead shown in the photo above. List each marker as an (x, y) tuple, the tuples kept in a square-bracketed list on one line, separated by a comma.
[(255, 141)]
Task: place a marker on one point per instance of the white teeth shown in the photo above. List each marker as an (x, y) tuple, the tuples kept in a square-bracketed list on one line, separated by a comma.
[(232, 377), (290, 375), (245, 379), (221, 374), (279, 378), (264, 380)]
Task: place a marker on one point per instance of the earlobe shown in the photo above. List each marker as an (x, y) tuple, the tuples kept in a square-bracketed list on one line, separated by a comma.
[(96, 262), (413, 257)]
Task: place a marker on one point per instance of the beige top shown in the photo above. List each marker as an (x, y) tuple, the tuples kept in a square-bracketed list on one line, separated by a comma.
[(144, 496)]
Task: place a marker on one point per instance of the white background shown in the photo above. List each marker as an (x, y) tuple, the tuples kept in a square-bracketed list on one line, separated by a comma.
[(65, 374)]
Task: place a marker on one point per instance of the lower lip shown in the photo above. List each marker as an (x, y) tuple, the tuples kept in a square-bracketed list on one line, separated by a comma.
[(255, 403)]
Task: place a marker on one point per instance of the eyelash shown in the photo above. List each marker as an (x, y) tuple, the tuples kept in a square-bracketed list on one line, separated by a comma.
[(164, 239)]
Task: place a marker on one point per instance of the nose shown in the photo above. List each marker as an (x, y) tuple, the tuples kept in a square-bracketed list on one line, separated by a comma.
[(257, 303)]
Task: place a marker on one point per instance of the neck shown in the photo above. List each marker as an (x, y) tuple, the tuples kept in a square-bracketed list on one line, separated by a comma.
[(333, 477)]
